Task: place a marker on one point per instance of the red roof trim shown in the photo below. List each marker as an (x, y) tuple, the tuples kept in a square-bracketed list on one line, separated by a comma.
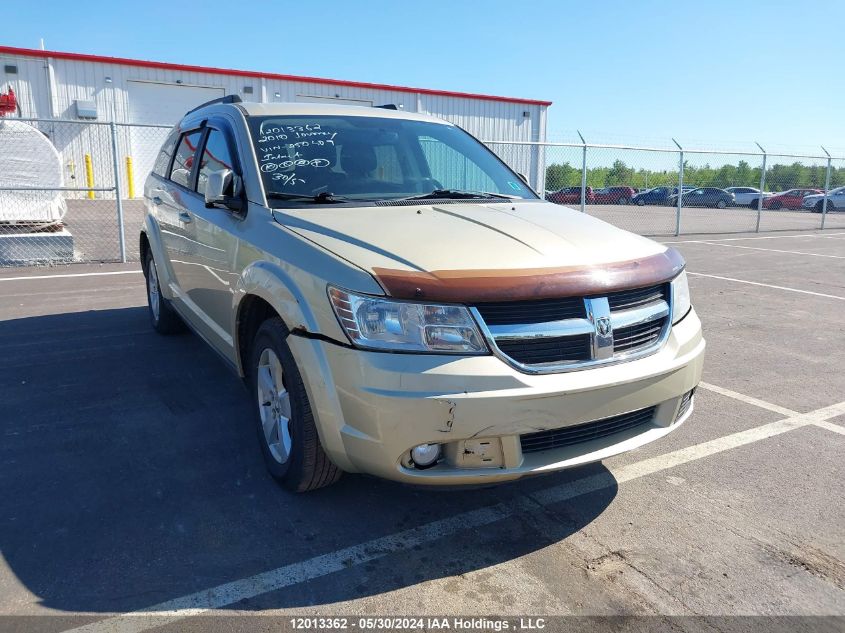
[(34, 52)]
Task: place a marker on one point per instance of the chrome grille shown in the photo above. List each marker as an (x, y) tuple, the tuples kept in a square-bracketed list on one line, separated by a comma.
[(554, 335), (542, 311), (634, 337), (569, 435), (637, 298), (547, 349)]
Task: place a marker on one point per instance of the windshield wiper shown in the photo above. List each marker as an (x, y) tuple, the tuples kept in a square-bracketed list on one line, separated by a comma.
[(456, 194), (324, 197)]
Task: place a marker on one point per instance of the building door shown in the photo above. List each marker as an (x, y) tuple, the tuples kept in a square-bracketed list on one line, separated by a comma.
[(158, 104)]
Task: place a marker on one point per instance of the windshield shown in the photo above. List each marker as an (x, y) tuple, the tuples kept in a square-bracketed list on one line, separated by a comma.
[(374, 158)]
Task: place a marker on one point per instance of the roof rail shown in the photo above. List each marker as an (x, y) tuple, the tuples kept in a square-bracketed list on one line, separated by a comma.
[(387, 106), (226, 99)]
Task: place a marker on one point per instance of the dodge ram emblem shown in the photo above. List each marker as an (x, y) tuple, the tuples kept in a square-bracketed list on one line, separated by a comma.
[(603, 326)]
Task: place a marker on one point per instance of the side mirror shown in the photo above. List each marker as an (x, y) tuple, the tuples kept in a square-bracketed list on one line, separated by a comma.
[(524, 179), (222, 189)]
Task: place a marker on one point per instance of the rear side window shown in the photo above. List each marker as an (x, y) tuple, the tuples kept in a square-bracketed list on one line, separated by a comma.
[(166, 153), (182, 172), (215, 157)]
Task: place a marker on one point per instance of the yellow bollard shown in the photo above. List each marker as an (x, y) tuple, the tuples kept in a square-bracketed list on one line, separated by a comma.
[(130, 180), (89, 175)]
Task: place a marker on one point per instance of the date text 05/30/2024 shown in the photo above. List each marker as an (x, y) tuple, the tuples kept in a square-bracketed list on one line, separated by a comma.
[(412, 623)]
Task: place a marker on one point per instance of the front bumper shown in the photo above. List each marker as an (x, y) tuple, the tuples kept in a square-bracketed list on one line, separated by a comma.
[(371, 408)]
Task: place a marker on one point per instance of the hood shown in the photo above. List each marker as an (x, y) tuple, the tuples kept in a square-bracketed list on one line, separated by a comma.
[(466, 236), (457, 237)]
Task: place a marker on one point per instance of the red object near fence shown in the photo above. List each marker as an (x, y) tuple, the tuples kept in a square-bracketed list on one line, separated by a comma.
[(8, 102)]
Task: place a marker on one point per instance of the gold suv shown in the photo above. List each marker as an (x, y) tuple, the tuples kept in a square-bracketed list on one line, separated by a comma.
[(401, 303)]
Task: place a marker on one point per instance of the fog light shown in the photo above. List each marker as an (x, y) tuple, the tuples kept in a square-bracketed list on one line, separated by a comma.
[(425, 455)]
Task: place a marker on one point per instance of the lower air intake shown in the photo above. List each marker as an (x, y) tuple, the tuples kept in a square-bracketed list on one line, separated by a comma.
[(686, 401), (569, 435)]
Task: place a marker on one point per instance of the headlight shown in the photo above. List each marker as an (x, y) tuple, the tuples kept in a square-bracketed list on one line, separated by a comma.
[(681, 303), (402, 326)]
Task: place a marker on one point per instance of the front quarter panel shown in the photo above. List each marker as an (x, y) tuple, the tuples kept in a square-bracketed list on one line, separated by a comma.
[(291, 274)]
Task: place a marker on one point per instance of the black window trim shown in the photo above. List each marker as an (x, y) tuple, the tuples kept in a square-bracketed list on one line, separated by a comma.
[(204, 128), (200, 144), (220, 125)]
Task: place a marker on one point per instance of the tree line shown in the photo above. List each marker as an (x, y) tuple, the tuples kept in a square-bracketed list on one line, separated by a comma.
[(778, 177)]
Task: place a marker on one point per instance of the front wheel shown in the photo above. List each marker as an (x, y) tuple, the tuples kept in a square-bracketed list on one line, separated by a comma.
[(623, 201), (285, 424), (640, 202), (775, 206), (820, 206), (721, 204)]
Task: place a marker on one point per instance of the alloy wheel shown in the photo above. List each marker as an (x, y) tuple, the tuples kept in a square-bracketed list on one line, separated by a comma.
[(152, 290), (274, 406)]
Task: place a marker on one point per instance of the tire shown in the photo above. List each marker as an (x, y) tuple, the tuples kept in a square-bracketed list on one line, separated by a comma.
[(753, 204), (163, 317), (820, 206), (721, 204), (640, 202), (775, 206), (291, 446), (623, 201)]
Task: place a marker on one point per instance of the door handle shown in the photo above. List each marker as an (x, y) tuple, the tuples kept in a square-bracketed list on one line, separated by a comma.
[(185, 217), (157, 200)]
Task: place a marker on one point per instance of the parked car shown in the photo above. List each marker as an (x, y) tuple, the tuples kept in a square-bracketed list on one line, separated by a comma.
[(745, 196), (614, 195), (570, 195), (657, 195), (791, 199), (835, 201), (704, 197), (501, 337)]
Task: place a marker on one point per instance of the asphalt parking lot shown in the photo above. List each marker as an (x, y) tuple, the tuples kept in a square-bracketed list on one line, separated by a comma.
[(131, 479)]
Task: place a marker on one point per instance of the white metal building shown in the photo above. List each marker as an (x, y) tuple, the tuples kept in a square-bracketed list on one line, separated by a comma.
[(58, 85)]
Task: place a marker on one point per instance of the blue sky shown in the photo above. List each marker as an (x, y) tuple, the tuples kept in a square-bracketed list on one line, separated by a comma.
[(715, 74)]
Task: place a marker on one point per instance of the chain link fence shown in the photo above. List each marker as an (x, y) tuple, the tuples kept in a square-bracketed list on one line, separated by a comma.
[(70, 191), (665, 191)]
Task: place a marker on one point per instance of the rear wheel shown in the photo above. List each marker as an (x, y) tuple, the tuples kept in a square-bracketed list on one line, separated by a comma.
[(623, 200), (640, 202), (285, 424), (721, 204), (163, 317)]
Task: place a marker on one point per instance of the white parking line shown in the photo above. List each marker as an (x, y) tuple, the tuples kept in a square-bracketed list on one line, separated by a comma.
[(757, 283), (748, 399), (319, 566), (830, 426), (773, 250), (756, 237), (101, 274)]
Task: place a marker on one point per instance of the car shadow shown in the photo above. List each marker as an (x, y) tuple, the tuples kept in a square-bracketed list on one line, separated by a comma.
[(130, 474)]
